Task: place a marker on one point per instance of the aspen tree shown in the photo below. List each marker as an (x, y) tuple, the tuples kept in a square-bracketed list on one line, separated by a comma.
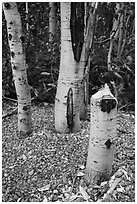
[(16, 38), (52, 20), (121, 29), (88, 42), (70, 82), (27, 13), (102, 136)]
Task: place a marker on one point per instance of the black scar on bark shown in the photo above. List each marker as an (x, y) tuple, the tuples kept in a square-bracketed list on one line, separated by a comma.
[(14, 67), (12, 54), (107, 105), (10, 37), (22, 39), (7, 5), (11, 23), (77, 28), (25, 108), (108, 144), (70, 122)]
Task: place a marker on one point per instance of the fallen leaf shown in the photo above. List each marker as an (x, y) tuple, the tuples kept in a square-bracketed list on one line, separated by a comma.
[(45, 199), (24, 157), (73, 197), (31, 172), (80, 174), (104, 183), (44, 188), (82, 167), (84, 193)]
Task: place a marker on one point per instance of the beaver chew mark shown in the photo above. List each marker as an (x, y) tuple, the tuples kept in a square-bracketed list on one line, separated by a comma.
[(107, 105), (70, 122)]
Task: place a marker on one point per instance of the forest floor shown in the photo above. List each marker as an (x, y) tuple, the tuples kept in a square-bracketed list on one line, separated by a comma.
[(48, 166)]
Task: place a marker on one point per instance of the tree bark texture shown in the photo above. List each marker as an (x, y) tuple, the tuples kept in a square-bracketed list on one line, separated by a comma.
[(102, 136), (52, 20), (121, 29), (70, 82), (113, 36), (16, 38), (89, 34)]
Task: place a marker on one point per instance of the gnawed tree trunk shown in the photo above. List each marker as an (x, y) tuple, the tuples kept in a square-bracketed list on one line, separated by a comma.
[(102, 136), (52, 20), (15, 38), (70, 82)]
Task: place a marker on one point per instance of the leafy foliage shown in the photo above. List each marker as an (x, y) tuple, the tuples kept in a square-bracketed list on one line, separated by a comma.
[(44, 56), (123, 69)]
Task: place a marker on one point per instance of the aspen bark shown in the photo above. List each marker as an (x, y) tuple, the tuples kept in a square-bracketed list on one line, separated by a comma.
[(102, 136), (88, 42), (68, 97), (52, 20), (16, 38), (126, 21), (113, 36), (121, 28), (27, 13)]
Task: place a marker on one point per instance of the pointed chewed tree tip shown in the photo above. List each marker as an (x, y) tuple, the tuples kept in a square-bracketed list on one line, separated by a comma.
[(7, 5)]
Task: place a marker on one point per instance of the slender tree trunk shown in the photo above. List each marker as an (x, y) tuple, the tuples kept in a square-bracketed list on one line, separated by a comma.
[(52, 20), (121, 28), (102, 136), (15, 38), (70, 82), (27, 13), (126, 20), (113, 36), (88, 46)]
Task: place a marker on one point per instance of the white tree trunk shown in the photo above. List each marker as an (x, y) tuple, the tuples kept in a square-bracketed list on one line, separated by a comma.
[(15, 38), (52, 20), (27, 13), (68, 97), (102, 136)]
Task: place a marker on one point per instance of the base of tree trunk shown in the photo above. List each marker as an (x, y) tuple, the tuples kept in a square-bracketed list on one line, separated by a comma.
[(95, 178), (65, 130), (83, 112), (23, 135)]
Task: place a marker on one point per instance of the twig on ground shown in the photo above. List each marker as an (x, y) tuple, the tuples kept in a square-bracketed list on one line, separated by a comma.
[(9, 114), (123, 131), (130, 104), (110, 191), (14, 110), (11, 99)]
